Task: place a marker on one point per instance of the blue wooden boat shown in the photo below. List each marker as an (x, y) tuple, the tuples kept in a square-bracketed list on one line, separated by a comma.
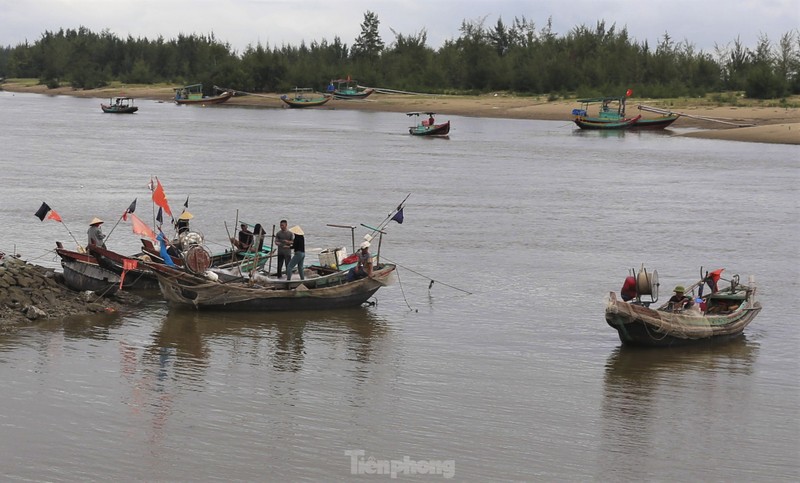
[(348, 89), (305, 97), (612, 112)]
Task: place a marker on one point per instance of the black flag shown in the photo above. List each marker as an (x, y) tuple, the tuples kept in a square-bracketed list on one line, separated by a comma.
[(398, 217), (130, 209), (186, 203), (159, 217)]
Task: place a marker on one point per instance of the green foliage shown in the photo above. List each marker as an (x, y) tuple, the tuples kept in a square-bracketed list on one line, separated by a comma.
[(587, 60)]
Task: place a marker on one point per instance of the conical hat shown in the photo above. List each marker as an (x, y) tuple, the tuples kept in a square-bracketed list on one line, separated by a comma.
[(296, 230), (186, 216), (95, 221)]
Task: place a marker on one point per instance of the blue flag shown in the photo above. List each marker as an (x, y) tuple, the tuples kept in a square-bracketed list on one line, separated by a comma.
[(398, 217), (162, 240)]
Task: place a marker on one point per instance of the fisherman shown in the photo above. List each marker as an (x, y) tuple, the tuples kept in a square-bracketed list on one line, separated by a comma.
[(95, 233), (363, 266), (299, 247), (245, 240), (679, 301), (284, 239), (182, 225)]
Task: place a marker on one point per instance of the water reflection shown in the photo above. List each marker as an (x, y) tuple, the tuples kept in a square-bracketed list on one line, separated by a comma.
[(650, 394)]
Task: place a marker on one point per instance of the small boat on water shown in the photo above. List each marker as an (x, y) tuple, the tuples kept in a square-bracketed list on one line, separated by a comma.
[(305, 97), (719, 315), (348, 89), (119, 105), (611, 115), (193, 94), (427, 126)]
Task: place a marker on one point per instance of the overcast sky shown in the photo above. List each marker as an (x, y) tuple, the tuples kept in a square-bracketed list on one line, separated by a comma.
[(275, 22)]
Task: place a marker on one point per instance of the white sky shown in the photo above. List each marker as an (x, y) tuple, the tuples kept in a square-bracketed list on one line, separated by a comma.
[(276, 22)]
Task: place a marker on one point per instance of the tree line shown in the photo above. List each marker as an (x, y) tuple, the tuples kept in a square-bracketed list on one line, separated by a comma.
[(519, 57)]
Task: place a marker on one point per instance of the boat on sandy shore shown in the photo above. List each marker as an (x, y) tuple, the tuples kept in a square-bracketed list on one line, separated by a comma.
[(719, 315), (611, 115), (193, 94), (305, 97)]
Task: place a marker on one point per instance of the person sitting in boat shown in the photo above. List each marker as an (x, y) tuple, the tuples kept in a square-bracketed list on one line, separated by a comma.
[(363, 266), (182, 225), (680, 301), (431, 121), (95, 233), (245, 240)]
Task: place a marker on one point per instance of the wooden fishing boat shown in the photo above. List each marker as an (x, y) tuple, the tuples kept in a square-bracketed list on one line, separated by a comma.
[(612, 112), (305, 97), (119, 105), (424, 127), (330, 290), (193, 94), (720, 315), (82, 273), (348, 89), (137, 276), (606, 125)]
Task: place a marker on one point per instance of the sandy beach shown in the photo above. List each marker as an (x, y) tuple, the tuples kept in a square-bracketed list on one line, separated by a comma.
[(763, 124)]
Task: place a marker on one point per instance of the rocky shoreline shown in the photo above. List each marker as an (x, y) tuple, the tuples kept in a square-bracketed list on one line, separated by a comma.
[(30, 293)]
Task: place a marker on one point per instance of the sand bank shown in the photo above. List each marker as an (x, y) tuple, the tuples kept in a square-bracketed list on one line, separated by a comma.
[(773, 124)]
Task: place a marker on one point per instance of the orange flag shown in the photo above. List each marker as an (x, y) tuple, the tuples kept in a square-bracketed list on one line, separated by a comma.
[(160, 198), (140, 228)]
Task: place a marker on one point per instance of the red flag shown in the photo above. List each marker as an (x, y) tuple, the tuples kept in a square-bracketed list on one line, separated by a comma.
[(629, 93), (160, 198), (127, 264), (53, 215), (140, 228)]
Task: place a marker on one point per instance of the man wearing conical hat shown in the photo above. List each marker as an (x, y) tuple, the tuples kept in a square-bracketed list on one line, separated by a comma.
[(95, 234), (182, 225)]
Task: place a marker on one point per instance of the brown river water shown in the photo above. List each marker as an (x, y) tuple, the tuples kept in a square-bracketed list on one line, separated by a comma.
[(504, 369)]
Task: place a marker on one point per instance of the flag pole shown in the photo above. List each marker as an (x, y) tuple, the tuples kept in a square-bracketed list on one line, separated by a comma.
[(386, 221), (73, 236)]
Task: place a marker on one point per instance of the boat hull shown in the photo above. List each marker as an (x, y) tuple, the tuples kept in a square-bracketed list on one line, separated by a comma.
[(119, 110), (345, 95), (438, 130), (643, 326), (586, 123), (82, 276), (301, 103), (657, 123), (181, 289), (206, 100), (138, 278)]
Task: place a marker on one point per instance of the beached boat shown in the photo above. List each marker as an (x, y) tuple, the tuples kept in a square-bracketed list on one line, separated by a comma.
[(427, 126), (82, 273), (137, 276), (606, 125), (348, 89), (611, 111), (119, 105), (193, 94), (719, 315), (305, 97)]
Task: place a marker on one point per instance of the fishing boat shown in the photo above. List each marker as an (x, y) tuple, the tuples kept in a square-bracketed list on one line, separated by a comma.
[(193, 94), (611, 115), (428, 126), (305, 97), (119, 105), (348, 89), (330, 290), (719, 315), (82, 272), (331, 284), (130, 269)]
